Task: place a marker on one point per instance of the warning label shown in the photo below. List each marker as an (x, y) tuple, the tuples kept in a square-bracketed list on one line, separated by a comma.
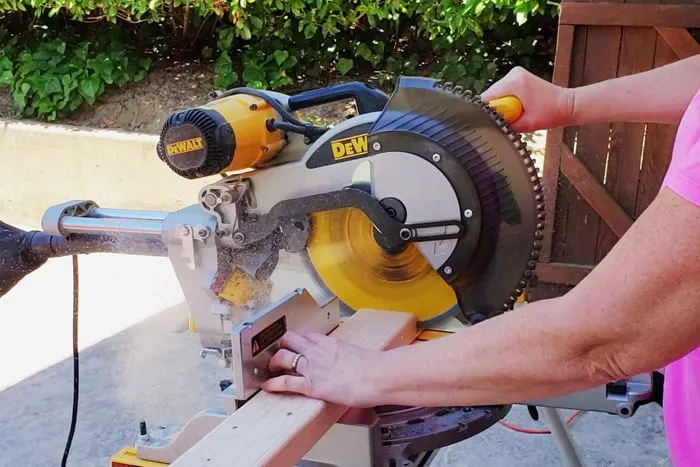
[(268, 336)]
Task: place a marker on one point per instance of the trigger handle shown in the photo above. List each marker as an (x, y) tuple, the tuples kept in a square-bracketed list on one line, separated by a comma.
[(509, 107)]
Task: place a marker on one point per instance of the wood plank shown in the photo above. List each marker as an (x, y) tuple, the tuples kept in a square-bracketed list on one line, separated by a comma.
[(658, 145), (594, 193), (680, 41), (583, 222), (550, 176), (277, 430), (562, 273), (637, 50), (630, 14)]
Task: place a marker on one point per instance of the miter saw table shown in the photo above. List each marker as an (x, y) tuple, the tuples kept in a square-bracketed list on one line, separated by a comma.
[(426, 203)]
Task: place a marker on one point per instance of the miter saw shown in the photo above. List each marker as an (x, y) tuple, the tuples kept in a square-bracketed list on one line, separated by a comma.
[(425, 202)]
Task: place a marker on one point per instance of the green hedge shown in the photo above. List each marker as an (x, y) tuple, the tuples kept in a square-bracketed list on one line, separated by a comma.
[(54, 58)]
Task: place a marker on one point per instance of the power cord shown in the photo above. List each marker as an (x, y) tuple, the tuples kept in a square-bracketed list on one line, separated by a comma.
[(76, 373)]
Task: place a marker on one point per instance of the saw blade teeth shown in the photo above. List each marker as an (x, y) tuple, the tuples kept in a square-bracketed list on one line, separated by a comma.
[(516, 139)]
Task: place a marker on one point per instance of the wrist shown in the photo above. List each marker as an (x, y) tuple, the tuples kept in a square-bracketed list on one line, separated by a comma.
[(567, 104), (379, 378)]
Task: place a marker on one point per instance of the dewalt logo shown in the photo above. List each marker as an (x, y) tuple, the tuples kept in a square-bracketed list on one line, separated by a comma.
[(349, 147), (184, 147)]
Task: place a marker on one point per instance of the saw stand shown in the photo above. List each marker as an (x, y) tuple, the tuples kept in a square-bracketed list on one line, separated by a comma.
[(562, 437), (621, 398)]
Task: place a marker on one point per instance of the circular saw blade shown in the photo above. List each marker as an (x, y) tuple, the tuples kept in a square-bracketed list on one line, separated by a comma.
[(359, 272)]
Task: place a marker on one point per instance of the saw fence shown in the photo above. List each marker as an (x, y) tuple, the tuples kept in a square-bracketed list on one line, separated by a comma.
[(599, 178)]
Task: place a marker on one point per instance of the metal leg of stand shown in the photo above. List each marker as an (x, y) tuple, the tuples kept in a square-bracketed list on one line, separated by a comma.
[(562, 437)]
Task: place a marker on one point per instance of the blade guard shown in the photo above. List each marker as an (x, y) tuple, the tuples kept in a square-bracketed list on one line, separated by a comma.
[(474, 137)]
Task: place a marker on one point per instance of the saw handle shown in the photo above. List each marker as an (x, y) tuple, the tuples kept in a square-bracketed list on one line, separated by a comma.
[(509, 107), (367, 98)]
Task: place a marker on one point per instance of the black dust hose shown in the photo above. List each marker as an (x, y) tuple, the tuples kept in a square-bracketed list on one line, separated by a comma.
[(20, 254)]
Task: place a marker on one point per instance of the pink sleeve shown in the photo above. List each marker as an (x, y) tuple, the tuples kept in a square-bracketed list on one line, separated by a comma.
[(682, 382), (683, 176)]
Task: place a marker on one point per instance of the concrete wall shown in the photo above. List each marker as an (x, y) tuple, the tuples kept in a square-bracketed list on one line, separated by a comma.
[(43, 165)]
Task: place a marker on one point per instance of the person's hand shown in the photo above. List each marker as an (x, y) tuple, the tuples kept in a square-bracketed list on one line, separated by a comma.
[(327, 368), (545, 105)]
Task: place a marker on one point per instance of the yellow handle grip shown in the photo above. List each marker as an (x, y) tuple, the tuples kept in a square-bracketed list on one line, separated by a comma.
[(509, 107)]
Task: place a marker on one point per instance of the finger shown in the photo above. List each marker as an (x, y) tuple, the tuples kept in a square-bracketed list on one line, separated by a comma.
[(295, 342), (501, 88), (317, 337), (288, 383), (497, 90), (282, 360)]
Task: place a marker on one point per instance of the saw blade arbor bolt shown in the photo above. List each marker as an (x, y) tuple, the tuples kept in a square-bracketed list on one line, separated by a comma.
[(436, 157)]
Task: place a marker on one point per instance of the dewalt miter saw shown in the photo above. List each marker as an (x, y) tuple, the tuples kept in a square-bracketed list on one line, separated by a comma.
[(425, 202)]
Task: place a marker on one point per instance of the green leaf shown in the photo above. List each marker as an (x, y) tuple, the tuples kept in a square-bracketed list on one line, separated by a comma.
[(224, 75), (253, 73), (344, 65), (89, 87), (280, 56), (256, 22), (225, 39), (145, 63), (53, 85), (6, 77)]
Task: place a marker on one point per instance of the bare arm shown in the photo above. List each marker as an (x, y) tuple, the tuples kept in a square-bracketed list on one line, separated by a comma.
[(660, 95), (635, 312)]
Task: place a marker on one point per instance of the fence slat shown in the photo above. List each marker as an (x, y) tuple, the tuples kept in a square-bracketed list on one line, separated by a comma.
[(630, 14)]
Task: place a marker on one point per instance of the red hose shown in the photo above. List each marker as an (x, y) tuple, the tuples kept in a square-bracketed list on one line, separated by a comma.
[(531, 431)]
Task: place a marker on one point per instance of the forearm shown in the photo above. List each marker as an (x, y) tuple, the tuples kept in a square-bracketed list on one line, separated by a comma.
[(509, 358), (660, 95)]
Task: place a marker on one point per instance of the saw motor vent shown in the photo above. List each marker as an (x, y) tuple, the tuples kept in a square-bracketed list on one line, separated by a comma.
[(197, 143)]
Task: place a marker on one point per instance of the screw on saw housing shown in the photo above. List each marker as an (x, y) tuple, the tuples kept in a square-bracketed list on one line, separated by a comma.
[(391, 234), (528, 278)]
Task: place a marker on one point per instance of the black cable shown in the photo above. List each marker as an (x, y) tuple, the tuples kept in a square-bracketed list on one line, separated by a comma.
[(76, 374), (296, 125)]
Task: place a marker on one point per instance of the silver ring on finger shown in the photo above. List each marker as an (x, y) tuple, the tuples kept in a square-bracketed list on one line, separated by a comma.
[(295, 362)]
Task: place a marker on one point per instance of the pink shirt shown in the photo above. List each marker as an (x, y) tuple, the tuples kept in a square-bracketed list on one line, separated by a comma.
[(682, 383)]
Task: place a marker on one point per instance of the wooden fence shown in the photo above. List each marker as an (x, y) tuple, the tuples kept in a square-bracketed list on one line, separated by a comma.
[(599, 178)]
